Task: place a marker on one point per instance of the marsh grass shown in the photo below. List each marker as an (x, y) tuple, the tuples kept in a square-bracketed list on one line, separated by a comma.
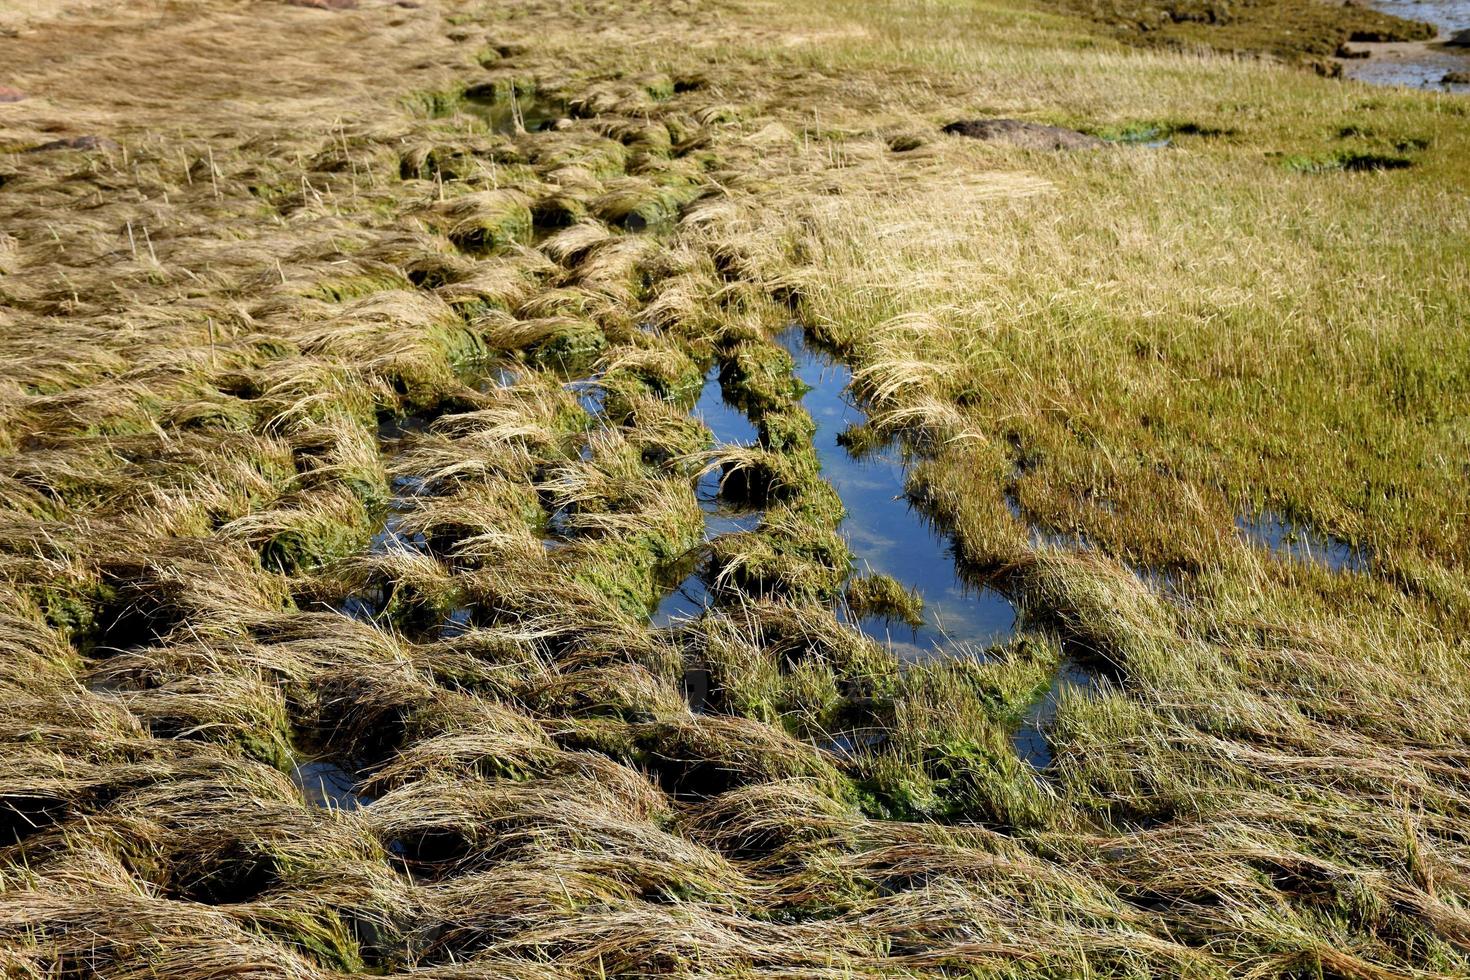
[(308, 297)]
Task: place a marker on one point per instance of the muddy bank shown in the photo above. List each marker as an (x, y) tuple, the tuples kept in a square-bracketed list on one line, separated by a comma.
[(1439, 63), (1304, 32)]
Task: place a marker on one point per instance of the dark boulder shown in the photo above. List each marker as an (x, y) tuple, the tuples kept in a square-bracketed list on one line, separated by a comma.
[(77, 143), (1027, 135)]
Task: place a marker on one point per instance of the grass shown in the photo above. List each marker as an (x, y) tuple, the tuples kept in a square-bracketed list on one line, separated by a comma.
[(315, 290)]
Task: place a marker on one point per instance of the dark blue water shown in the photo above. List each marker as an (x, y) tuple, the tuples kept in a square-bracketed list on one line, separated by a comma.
[(886, 534), (1297, 542), (328, 785)]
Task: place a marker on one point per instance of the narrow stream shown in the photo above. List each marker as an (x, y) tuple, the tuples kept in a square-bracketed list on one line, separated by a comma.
[(1030, 740), (688, 594), (886, 534), (518, 112), (393, 432)]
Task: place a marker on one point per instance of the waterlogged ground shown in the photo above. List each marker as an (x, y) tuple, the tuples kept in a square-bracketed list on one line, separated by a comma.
[(428, 550)]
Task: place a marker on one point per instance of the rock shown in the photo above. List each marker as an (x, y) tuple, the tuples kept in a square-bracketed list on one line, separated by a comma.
[(1456, 78), (1343, 51), (325, 4), (8, 94), (77, 143), (1459, 39), (1030, 136)]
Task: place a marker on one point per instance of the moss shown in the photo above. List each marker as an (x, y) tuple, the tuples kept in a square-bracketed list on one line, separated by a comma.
[(861, 440), (220, 414), (302, 540), (890, 790), (494, 227), (639, 205), (954, 780), (624, 577), (786, 558), (764, 479), (73, 608), (272, 747), (658, 86), (434, 104), (1013, 677), (558, 210), (810, 702), (626, 567), (785, 429), (340, 289), (978, 782), (612, 737), (321, 935), (665, 374), (573, 344), (760, 377)]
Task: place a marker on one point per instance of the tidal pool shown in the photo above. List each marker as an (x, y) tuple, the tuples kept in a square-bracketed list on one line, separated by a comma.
[(1417, 65)]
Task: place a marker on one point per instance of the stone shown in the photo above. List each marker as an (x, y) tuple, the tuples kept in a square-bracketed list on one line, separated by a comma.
[(77, 143), (1027, 135)]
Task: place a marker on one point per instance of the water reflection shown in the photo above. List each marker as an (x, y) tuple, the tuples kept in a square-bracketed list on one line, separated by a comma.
[(687, 594), (1298, 542), (886, 534), (328, 785)]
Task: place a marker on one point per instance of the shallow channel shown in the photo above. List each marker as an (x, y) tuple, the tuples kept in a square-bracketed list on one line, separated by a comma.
[(885, 532), (688, 593)]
